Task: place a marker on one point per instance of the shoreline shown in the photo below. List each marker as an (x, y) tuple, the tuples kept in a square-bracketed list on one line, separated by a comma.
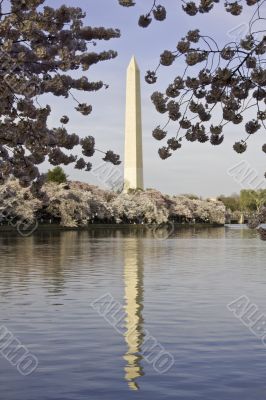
[(58, 227)]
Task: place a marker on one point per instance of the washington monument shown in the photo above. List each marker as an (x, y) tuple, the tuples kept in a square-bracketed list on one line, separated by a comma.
[(133, 162)]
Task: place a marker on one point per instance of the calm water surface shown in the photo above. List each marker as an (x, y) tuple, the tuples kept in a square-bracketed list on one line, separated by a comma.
[(176, 289)]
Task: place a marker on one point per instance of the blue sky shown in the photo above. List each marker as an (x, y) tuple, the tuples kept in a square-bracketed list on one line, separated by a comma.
[(196, 168)]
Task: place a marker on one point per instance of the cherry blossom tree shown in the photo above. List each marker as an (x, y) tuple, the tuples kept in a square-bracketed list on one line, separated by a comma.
[(220, 83), (39, 48), (74, 204)]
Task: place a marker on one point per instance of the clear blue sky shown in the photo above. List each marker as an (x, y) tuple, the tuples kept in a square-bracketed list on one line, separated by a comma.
[(196, 168)]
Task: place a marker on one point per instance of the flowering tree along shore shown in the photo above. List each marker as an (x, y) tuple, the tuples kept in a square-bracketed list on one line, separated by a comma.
[(220, 83), (77, 204), (39, 47), (74, 204)]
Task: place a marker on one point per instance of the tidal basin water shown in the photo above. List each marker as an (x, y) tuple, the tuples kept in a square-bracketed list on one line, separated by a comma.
[(176, 290)]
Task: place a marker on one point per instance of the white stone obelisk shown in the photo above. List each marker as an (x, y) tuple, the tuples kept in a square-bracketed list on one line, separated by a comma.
[(133, 162)]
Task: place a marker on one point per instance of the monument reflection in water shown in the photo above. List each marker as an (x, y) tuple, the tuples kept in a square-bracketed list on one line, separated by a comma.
[(133, 278)]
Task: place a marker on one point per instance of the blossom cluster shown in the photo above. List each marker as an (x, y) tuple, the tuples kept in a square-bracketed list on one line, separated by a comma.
[(40, 46), (220, 85)]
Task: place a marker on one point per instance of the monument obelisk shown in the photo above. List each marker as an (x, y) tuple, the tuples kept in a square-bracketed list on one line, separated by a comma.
[(133, 162)]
